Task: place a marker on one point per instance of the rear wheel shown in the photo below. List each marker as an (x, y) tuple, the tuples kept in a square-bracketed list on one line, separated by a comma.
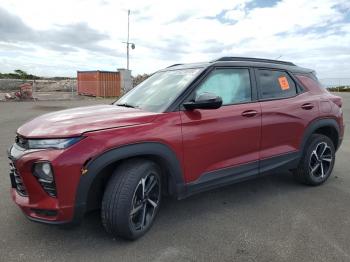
[(132, 198), (317, 161)]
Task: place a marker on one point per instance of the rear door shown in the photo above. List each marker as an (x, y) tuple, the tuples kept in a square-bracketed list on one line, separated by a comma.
[(224, 138), (286, 111)]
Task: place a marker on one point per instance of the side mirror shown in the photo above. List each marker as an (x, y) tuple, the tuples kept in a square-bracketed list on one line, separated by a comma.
[(204, 101)]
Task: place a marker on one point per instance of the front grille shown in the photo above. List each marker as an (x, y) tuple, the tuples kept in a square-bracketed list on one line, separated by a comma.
[(17, 181)]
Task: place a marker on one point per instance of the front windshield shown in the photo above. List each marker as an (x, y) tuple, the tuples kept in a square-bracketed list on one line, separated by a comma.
[(157, 92)]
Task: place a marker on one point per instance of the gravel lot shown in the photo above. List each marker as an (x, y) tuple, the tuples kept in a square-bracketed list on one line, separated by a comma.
[(268, 219)]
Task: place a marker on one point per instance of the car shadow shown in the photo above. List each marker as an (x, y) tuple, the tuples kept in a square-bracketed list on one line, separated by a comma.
[(173, 212)]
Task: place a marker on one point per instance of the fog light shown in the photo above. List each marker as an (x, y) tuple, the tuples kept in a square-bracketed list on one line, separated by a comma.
[(43, 170), (46, 169)]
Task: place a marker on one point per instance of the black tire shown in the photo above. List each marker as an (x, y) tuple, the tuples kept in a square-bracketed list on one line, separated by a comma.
[(314, 167), (124, 195)]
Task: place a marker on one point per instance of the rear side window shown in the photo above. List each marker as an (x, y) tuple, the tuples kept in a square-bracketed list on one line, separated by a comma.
[(275, 84)]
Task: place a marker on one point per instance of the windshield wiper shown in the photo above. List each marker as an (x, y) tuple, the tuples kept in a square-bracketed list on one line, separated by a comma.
[(127, 105)]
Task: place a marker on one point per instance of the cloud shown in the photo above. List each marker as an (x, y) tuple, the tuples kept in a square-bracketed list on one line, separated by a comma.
[(181, 18), (12, 29), (78, 35), (61, 38), (71, 37)]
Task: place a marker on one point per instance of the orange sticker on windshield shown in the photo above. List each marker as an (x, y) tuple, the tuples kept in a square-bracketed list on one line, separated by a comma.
[(283, 82)]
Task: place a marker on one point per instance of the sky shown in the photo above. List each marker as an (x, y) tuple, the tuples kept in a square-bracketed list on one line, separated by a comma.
[(57, 38)]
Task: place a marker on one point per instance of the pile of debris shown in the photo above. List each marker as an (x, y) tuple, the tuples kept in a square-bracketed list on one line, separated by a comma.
[(25, 93), (65, 85)]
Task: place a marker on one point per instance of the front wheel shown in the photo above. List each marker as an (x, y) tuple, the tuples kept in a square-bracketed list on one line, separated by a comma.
[(132, 198), (317, 161)]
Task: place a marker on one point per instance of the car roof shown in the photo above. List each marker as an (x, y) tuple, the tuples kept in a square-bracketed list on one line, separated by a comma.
[(244, 62)]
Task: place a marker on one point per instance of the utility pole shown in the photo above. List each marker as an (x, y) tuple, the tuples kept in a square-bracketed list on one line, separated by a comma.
[(128, 43)]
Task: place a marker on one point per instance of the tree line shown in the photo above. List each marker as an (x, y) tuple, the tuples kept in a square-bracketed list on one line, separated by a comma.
[(18, 74)]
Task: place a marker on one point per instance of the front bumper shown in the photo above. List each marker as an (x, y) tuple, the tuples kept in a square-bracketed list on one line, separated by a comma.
[(45, 211), (33, 200)]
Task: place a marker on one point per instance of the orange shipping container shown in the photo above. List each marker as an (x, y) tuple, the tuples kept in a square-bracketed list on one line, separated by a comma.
[(99, 83)]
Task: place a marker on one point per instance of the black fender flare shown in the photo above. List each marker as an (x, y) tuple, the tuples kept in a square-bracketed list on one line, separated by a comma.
[(96, 165), (316, 124)]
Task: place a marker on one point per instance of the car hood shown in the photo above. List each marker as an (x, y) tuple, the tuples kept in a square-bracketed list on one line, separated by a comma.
[(76, 121)]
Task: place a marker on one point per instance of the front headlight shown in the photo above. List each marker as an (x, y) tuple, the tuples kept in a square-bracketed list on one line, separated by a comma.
[(60, 143)]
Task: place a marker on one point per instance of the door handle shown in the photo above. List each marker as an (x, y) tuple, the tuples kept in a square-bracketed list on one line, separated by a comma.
[(249, 113), (307, 106)]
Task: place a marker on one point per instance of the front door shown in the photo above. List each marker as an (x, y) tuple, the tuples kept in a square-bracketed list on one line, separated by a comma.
[(216, 141)]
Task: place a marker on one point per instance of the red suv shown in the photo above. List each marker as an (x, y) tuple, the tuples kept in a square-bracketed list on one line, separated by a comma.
[(186, 129)]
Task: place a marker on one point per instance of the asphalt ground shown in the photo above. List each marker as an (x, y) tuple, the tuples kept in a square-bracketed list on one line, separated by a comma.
[(271, 218)]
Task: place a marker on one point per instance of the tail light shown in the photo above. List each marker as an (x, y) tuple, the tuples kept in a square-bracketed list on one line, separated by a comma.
[(338, 101)]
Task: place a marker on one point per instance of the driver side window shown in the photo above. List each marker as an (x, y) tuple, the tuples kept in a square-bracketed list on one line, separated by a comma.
[(232, 85)]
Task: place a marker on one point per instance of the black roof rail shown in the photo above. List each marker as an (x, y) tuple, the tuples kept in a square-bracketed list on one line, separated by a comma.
[(174, 65), (252, 59)]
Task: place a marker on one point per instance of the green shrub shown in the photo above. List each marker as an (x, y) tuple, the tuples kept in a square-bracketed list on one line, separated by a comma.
[(339, 89)]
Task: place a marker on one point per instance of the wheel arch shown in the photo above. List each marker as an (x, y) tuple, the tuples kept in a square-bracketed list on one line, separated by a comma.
[(97, 169), (327, 126)]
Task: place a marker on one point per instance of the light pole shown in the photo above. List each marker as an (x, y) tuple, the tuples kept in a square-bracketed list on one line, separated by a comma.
[(128, 43)]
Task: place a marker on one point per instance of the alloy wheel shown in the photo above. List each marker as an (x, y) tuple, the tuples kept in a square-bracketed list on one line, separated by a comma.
[(321, 161), (145, 202)]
